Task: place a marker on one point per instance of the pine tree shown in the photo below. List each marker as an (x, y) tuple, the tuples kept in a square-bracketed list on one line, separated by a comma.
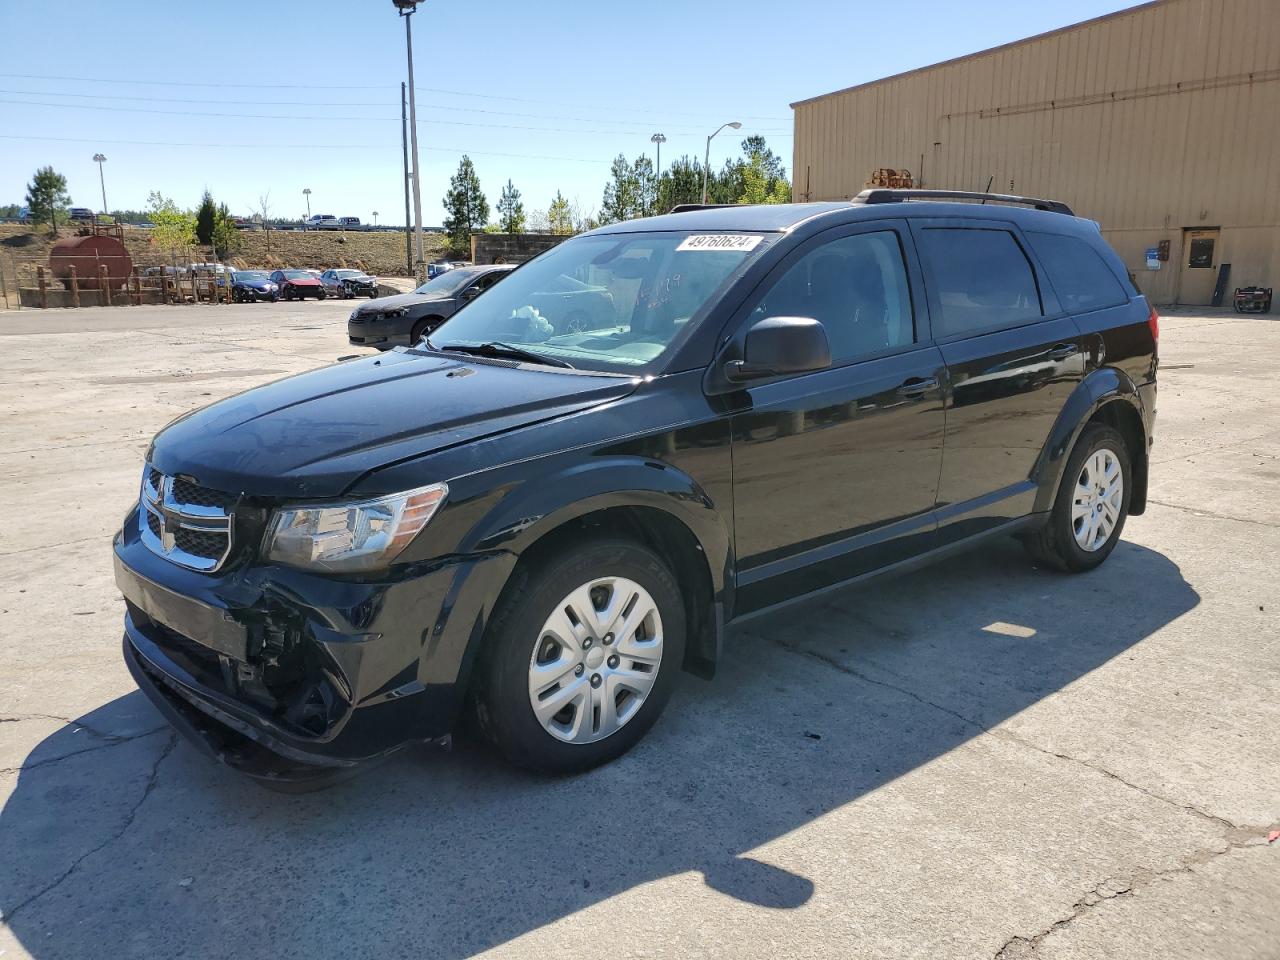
[(622, 194), (646, 186), (559, 216), (510, 210), (466, 209), (47, 196), (206, 219)]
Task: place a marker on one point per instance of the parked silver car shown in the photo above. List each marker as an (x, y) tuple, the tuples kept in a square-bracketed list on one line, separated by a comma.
[(347, 283)]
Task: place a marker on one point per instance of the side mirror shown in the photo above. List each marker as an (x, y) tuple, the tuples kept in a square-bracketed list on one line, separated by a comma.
[(471, 293), (781, 345)]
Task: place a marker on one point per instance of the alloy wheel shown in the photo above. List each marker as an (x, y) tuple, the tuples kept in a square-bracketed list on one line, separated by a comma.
[(595, 660)]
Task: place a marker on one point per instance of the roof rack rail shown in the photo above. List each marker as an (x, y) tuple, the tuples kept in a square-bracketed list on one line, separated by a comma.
[(895, 196), (686, 207)]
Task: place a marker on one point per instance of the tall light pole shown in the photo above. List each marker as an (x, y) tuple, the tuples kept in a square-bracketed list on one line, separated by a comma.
[(406, 9), (706, 162), (99, 159), (657, 140), (375, 218), (306, 192)]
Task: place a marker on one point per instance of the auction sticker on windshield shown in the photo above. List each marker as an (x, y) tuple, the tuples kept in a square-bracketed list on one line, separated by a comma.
[(720, 241)]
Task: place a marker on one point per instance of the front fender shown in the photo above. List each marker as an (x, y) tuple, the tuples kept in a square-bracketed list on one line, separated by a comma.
[(1102, 386), (539, 506)]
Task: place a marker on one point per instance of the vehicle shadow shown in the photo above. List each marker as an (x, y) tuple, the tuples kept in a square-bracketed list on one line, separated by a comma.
[(142, 846)]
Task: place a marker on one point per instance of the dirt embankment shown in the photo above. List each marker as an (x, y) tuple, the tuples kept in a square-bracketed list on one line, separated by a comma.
[(381, 254)]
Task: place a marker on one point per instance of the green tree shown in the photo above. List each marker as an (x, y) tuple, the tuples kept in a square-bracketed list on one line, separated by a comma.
[(466, 209), (758, 176), (646, 185), (174, 228), (621, 194), (226, 238), (47, 196), (681, 182), (510, 210), (559, 216), (206, 218)]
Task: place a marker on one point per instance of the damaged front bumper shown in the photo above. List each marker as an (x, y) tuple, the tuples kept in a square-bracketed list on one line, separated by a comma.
[(297, 679)]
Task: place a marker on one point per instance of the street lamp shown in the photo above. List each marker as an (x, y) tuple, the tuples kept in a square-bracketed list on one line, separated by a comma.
[(657, 140), (706, 163), (406, 8), (306, 192), (99, 159), (375, 218)]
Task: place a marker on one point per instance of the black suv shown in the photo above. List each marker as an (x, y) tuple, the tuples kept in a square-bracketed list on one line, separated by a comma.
[(542, 523)]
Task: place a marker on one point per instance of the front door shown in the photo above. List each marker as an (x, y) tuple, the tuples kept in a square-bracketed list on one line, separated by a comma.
[(835, 472), (1199, 270)]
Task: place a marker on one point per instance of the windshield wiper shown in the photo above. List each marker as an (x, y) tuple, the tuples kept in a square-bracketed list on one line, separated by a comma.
[(496, 348)]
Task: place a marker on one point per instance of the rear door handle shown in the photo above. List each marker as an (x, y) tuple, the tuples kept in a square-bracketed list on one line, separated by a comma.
[(916, 386), (1063, 351)]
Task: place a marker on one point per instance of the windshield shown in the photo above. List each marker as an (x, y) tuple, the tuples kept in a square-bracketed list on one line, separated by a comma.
[(249, 275), (345, 274), (610, 302), (447, 283), (298, 275)]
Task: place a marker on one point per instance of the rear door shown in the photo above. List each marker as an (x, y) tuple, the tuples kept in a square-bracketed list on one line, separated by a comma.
[(835, 473), (1013, 357)]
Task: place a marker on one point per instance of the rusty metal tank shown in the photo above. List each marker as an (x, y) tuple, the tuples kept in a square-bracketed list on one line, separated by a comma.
[(86, 254)]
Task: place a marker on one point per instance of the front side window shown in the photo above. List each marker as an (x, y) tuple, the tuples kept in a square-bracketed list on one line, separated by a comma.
[(982, 279), (856, 287), (613, 302)]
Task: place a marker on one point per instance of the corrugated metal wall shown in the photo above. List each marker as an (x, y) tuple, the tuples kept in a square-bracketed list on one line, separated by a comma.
[(1150, 121)]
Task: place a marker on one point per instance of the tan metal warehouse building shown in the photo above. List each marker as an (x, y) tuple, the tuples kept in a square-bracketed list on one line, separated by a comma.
[(1161, 122)]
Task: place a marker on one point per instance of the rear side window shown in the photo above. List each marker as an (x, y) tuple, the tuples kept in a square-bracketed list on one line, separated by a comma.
[(1080, 276), (983, 280)]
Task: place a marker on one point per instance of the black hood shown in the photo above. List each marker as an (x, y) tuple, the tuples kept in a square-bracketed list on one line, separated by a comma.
[(315, 434)]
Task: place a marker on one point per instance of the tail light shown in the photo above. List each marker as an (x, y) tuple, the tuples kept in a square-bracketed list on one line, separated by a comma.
[(1153, 321)]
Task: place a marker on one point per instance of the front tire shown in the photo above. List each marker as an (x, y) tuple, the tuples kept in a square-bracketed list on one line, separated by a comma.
[(586, 686), (1092, 504)]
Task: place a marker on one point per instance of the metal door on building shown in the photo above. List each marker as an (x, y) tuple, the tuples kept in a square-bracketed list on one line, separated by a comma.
[(1201, 249)]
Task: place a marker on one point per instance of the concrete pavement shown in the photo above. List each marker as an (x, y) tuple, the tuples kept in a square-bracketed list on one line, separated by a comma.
[(892, 773)]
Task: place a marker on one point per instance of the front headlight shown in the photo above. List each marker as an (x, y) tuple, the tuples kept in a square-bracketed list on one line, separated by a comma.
[(352, 537)]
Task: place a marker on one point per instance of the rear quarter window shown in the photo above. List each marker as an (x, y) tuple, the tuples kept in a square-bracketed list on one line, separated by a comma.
[(1079, 275), (982, 280)]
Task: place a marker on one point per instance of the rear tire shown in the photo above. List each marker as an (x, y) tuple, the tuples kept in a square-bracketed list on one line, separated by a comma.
[(1089, 512), (606, 688)]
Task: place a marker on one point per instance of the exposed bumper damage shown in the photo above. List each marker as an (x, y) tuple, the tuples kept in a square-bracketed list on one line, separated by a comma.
[(297, 680)]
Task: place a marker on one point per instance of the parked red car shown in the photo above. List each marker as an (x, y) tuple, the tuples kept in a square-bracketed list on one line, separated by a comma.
[(298, 284)]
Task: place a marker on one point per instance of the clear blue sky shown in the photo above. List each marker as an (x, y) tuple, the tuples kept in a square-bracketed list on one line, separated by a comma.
[(545, 93)]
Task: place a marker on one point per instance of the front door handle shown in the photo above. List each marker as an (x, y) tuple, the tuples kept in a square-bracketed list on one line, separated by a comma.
[(917, 386), (1063, 351)]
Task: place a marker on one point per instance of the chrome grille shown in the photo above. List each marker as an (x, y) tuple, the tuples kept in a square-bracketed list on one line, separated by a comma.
[(184, 521)]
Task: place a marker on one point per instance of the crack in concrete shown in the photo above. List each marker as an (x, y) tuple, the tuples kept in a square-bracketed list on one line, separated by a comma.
[(1019, 947), (1005, 735), (78, 724), (112, 742), (7, 916), (1212, 516)]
